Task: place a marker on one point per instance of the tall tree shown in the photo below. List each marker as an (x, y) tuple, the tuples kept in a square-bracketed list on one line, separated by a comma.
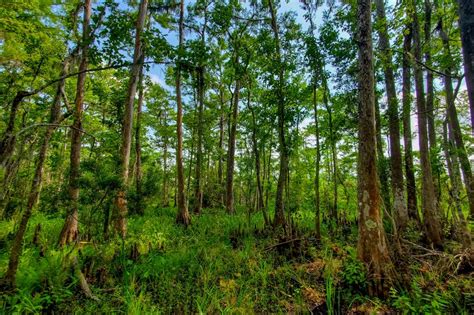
[(55, 119), (429, 202), (120, 208), (183, 214), (372, 247), (69, 231), (412, 204), (394, 122), (279, 219), (453, 121), (466, 23)]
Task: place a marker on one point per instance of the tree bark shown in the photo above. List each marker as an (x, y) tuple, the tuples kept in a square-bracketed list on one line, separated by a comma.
[(372, 247), (412, 204), (429, 202), (256, 152), (69, 231), (399, 205), (279, 219), (183, 214), (317, 199), (8, 280), (198, 170), (230, 207), (120, 209), (453, 121), (138, 147), (466, 23)]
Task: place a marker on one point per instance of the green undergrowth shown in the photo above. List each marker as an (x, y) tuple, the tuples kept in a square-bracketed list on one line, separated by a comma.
[(220, 264)]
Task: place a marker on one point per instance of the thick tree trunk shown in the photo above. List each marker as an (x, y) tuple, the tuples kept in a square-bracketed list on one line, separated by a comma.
[(279, 219), (229, 203), (429, 202), (183, 214), (138, 147), (69, 231), (372, 247), (399, 205), (455, 126), (466, 23), (120, 209), (412, 204)]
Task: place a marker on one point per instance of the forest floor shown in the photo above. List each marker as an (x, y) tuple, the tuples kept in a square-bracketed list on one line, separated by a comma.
[(220, 264)]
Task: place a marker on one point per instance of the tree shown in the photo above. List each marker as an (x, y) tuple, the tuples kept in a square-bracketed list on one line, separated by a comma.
[(183, 214), (372, 247), (120, 207), (279, 219), (466, 23), (429, 202), (70, 229)]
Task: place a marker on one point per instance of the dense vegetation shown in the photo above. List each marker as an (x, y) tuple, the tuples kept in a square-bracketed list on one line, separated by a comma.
[(247, 157)]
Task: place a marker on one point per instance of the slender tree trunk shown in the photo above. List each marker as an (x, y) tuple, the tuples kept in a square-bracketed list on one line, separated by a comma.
[(231, 149), (453, 121), (256, 152), (279, 219), (412, 204), (317, 166), (69, 231), (430, 113), (138, 146), (399, 205), (332, 141), (466, 23), (183, 214), (429, 203), (165, 202), (8, 280), (372, 247), (120, 209), (382, 164), (221, 147), (198, 179)]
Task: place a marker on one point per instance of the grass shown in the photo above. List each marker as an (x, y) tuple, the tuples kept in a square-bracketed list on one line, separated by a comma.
[(220, 264)]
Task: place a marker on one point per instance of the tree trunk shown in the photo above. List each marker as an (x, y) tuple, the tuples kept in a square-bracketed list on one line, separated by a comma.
[(221, 146), (412, 204), (120, 209), (382, 164), (453, 121), (198, 179), (399, 205), (69, 231), (372, 248), (317, 199), (231, 148), (183, 214), (256, 152), (165, 202), (429, 203), (138, 147), (55, 118), (279, 219), (466, 23), (430, 114)]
